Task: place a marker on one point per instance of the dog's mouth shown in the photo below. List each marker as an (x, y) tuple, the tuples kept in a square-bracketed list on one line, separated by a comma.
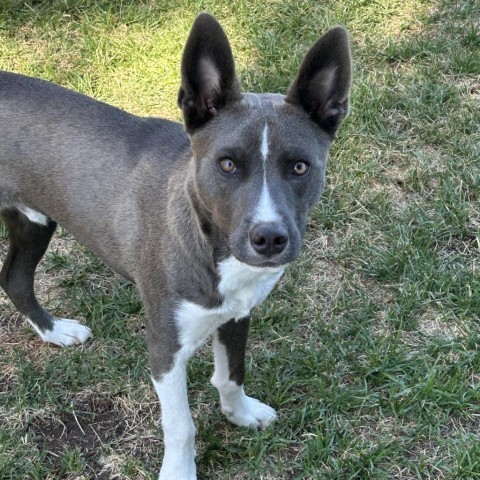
[(262, 264), (268, 264)]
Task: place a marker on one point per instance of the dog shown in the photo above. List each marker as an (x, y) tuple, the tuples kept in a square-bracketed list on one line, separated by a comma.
[(203, 218)]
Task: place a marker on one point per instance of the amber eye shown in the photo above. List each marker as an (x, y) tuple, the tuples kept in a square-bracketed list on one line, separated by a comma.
[(227, 165), (300, 168)]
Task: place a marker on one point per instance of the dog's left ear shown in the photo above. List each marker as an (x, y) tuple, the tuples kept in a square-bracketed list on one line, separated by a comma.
[(209, 80), (323, 82)]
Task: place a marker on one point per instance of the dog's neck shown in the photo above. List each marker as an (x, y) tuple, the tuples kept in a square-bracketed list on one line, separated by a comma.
[(194, 241)]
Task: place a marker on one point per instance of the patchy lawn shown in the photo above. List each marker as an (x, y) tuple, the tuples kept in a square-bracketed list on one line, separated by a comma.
[(368, 348)]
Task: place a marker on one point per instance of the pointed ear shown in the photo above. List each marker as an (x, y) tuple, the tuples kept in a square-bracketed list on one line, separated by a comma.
[(323, 82), (209, 80)]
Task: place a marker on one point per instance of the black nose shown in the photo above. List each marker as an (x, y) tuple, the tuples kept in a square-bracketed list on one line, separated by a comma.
[(269, 238)]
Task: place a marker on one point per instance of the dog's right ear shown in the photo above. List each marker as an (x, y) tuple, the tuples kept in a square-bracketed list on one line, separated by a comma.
[(322, 85), (209, 80)]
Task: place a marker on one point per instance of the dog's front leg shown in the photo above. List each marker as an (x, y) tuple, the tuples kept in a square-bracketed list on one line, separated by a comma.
[(178, 429), (169, 375), (229, 344)]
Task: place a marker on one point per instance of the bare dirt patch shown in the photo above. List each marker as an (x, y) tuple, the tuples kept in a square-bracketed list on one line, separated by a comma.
[(100, 428), (93, 424)]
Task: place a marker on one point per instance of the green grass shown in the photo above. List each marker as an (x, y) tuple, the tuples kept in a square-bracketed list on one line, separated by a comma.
[(368, 348)]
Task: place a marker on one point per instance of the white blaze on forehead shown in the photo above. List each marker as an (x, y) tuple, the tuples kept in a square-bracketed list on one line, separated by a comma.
[(265, 211), (264, 148)]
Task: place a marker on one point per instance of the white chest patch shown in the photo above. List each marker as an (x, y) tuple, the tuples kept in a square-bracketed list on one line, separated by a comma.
[(242, 286)]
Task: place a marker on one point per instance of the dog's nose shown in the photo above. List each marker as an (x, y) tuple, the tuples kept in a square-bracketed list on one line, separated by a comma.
[(268, 239)]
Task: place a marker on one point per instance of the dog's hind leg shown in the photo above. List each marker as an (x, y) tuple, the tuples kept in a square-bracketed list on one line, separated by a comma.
[(229, 344), (29, 236)]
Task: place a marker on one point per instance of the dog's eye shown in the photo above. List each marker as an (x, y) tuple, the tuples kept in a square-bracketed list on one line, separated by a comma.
[(300, 168), (227, 165)]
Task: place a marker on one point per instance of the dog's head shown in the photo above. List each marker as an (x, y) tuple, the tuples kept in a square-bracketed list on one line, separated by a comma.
[(260, 159)]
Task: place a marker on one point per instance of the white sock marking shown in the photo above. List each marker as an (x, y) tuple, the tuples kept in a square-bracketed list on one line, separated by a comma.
[(65, 332), (238, 407), (221, 374), (178, 428), (33, 215), (265, 211)]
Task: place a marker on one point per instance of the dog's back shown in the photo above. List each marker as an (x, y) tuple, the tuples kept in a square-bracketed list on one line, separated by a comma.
[(59, 146)]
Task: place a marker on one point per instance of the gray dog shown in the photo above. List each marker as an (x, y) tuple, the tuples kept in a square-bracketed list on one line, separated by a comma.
[(204, 222)]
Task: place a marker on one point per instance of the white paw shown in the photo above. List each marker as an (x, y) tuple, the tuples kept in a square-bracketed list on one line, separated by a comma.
[(65, 332), (246, 411)]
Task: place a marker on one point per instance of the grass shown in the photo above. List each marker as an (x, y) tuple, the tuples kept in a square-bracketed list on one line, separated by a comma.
[(368, 348)]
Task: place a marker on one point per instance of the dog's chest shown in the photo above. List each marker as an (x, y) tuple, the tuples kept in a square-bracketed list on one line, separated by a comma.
[(242, 286)]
